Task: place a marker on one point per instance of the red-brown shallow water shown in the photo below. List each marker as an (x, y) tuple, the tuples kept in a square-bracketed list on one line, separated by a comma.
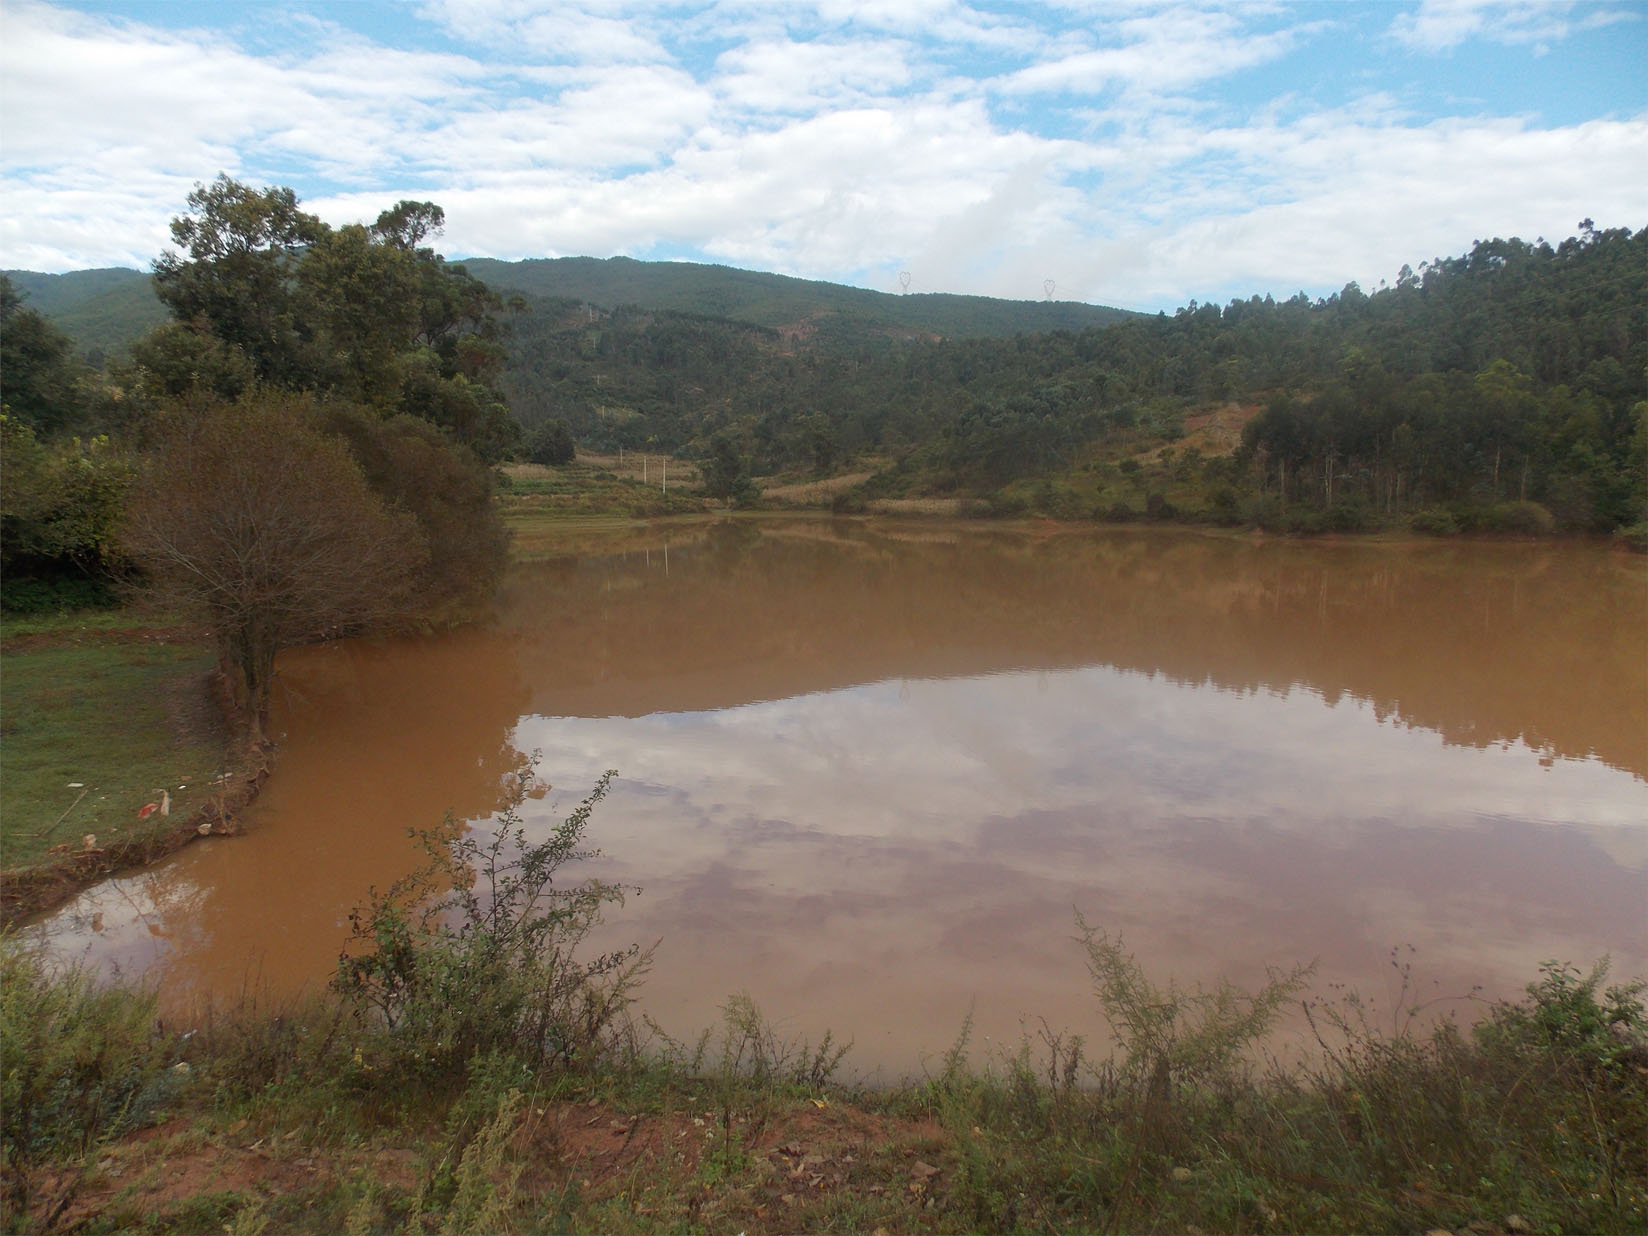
[(868, 775)]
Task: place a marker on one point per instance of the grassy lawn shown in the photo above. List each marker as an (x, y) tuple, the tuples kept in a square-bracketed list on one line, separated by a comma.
[(97, 716)]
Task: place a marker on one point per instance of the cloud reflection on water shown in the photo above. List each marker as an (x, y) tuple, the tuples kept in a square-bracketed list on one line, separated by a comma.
[(869, 777)]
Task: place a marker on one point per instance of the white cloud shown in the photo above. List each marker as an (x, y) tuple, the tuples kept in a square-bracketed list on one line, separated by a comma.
[(1162, 51), (789, 77), (1441, 25), (834, 140)]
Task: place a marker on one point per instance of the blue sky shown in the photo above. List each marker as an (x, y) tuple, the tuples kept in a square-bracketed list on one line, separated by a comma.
[(1136, 153)]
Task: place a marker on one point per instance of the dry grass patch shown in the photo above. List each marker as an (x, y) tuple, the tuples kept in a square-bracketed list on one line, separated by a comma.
[(812, 493)]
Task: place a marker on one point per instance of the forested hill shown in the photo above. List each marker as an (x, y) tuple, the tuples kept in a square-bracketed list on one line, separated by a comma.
[(794, 305), (1503, 388), (105, 310), (101, 310)]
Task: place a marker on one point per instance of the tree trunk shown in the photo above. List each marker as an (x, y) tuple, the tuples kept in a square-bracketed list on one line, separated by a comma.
[(254, 651)]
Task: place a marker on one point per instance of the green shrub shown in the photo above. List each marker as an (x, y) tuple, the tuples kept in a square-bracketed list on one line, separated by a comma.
[(1224, 505), (1173, 1035), (64, 592), (753, 1049), (552, 444), (1434, 521), (80, 1065), (1512, 518), (1348, 514), (1057, 502), (1633, 537), (1157, 507), (1568, 1018), (1264, 511), (60, 508), (1006, 504), (475, 952)]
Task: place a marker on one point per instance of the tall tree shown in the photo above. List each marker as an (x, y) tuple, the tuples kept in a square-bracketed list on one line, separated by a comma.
[(237, 275), (365, 313)]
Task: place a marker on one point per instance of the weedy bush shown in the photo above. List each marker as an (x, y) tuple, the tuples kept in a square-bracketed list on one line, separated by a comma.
[(80, 1065), (245, 1048), (476, 952), (1540, 1111), (1537, 1116), (753, 1049), (479, 1195), (1175, 1036)]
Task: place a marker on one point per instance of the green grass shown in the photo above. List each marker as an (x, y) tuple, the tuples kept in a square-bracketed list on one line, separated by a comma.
[(120, 709)]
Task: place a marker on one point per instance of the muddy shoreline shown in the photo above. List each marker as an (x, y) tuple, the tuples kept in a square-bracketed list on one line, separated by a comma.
[(38, 888)]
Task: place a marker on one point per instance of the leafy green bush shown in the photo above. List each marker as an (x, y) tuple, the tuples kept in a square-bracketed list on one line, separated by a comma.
[(1224, 504), (60, 509), (1634, 537), (1434, 521), (41, 596), (80, 1065), (1156, 506), (475, 952), (1007, 504), (1569, 1018), (1264, 510), (753, 1049), (552, 444), (1348, 514), (1515, 518)]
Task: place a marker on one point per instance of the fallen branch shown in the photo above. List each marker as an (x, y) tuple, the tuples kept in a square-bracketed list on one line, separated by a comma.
[(46, 832)]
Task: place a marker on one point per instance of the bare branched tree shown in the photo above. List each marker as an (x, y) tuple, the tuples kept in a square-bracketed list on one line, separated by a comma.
[(252, 519)]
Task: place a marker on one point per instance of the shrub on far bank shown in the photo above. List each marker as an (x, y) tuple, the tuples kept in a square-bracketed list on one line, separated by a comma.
[(1509, 518), (551, 444), (1634, 537), (1434, 521)]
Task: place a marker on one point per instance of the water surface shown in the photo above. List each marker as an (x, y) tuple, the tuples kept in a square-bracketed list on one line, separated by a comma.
[(869, 774)]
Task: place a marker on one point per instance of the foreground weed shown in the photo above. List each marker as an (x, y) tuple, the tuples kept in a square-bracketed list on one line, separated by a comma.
[(477, 951), (1175, 1035), (754, 1049), (80, 1065), (487, 1188)]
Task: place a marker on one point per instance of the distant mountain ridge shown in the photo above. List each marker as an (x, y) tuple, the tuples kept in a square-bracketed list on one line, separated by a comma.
[(780, 301), (104, 310), (101, 310)]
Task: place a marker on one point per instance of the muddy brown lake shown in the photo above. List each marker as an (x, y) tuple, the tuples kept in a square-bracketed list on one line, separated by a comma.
[(869, 773)]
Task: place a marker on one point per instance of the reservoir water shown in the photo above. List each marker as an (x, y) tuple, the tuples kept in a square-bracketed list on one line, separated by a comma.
[(870, 773)]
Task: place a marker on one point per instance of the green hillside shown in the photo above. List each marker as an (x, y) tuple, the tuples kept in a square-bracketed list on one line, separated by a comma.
[(101, 310), (104, 310), (782, 302)]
